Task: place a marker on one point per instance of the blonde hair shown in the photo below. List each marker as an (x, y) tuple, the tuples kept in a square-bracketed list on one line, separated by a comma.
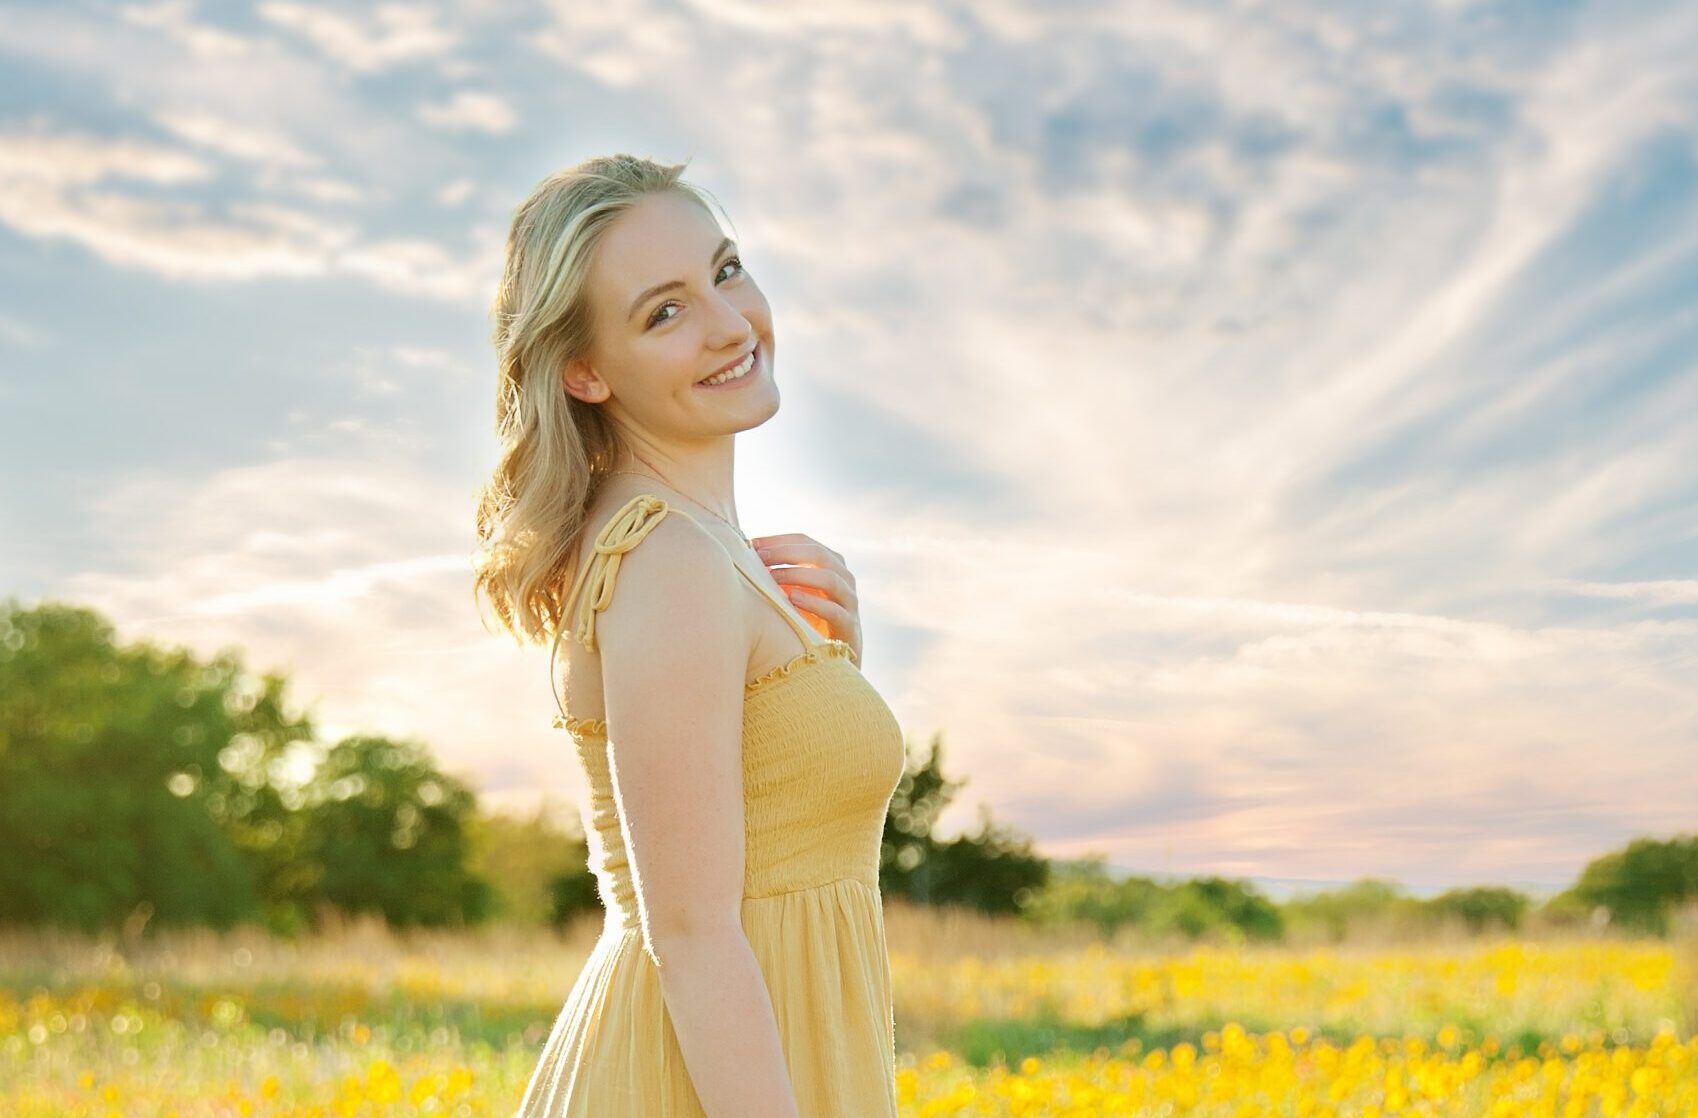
[(555, 448)]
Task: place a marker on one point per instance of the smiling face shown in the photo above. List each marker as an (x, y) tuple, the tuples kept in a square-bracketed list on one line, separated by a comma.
[(672, 306)]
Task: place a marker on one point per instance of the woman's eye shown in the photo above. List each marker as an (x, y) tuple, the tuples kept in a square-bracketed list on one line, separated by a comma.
[(655, 318)]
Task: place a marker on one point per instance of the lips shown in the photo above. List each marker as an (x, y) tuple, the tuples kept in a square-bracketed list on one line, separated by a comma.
[(729, 365)]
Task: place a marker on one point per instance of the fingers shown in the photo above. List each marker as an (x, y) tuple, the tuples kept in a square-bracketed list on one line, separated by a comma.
[(825, 581), (796, 547)]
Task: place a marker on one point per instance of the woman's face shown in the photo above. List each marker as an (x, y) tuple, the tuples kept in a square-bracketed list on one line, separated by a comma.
[(672, 306)]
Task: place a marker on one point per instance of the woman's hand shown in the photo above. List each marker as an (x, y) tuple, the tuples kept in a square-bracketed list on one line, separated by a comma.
[(818, 583)]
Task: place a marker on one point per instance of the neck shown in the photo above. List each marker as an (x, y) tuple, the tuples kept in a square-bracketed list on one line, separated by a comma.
[(705, 477)]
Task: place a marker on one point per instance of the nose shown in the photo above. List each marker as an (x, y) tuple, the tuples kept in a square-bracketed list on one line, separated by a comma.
[(731, 328)]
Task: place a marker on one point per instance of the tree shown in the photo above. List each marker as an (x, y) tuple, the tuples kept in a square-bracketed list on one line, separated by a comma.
[(1363, 900), (535, 864), (1206, 905), (1639, 886), (573, 892), (993, 870), (120, 795), (920, 797), (387, 834), (1482, 906), (1084, 890)]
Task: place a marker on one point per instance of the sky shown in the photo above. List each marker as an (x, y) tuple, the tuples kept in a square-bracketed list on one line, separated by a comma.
[(1264, 436)]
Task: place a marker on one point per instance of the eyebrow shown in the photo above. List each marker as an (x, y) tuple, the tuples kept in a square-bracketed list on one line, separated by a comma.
[(658, 288)]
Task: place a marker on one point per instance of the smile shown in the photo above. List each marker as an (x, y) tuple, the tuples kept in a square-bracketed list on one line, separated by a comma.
[(735, 372)]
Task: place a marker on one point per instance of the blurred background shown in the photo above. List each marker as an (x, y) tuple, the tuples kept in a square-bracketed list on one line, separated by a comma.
[(1263, 436)]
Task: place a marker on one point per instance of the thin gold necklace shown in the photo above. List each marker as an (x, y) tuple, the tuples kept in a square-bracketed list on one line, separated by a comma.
[(692, 500)]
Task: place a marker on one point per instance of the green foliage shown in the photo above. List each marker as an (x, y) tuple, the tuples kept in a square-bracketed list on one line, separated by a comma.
[(1364, 901), (1482, 907), (991, 870), (1384, 907), (1215, 907), (537, 866), (920, 797), (141, 787), (1084, 890), (1641, 885), (388, 835), (125, 776), (1566, 910), (572, 893)]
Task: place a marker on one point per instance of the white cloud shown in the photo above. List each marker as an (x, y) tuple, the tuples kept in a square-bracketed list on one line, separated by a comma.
[(268, 86), (238, 141), (415, 266), (456, 192), (392, 35), (470, 111), (55, 160), (173, 18), (1663, 591), (51, 187)]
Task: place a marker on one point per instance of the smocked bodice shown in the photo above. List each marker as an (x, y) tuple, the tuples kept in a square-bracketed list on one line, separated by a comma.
[(822, 754)]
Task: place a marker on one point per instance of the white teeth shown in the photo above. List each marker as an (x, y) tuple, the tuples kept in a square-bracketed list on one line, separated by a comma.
[(733, 373)]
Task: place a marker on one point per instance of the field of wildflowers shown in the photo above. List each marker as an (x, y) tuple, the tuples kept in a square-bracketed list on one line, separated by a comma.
[(990, 1021)]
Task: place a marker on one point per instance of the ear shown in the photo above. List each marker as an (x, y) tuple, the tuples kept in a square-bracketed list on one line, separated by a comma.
[(580, 380)]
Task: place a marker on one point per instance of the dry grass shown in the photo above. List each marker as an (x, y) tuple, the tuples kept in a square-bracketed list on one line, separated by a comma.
[(486, 962), (1683, 937), (941, 934)]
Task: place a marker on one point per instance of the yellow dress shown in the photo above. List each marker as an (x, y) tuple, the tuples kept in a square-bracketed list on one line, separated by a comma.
[(822, 755)]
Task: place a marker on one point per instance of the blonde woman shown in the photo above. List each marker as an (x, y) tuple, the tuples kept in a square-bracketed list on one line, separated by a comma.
[(739, 764)]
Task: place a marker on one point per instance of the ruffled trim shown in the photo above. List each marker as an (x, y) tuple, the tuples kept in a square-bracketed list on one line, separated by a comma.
[(832, 649), (825, 650), (582, 727)]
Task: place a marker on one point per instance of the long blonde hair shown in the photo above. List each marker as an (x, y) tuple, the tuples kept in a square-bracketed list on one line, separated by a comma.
[(555, 448)]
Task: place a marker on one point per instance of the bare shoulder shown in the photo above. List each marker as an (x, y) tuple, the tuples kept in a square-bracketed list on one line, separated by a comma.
[(671, 615), (678, 579)]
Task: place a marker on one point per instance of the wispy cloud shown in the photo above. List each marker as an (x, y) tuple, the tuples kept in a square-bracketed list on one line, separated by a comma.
[(392, 34), (1659, 592), (245, 143), (470, 111)]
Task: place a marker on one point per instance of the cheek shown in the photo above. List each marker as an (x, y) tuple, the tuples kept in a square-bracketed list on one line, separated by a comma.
[(665, 362), (760, 312)]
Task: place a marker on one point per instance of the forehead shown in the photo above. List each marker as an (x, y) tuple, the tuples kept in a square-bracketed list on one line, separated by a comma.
[(662, 237)]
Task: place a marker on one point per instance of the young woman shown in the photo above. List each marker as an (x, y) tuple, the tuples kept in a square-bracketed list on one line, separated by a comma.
[(739, 764)]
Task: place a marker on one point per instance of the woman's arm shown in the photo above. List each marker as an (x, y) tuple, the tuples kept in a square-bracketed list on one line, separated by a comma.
[(673, 655)]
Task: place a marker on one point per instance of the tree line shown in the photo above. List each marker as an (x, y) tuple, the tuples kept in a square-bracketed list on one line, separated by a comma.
[(143, 787)]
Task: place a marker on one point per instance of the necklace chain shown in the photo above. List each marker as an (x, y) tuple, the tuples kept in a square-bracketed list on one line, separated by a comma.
[(692, 500)]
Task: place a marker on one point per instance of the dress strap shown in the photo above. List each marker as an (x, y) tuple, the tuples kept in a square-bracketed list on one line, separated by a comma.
[(623, 531), (805, 633)]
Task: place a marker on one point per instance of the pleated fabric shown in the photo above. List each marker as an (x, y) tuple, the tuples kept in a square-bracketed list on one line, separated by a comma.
[(822, 755)]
